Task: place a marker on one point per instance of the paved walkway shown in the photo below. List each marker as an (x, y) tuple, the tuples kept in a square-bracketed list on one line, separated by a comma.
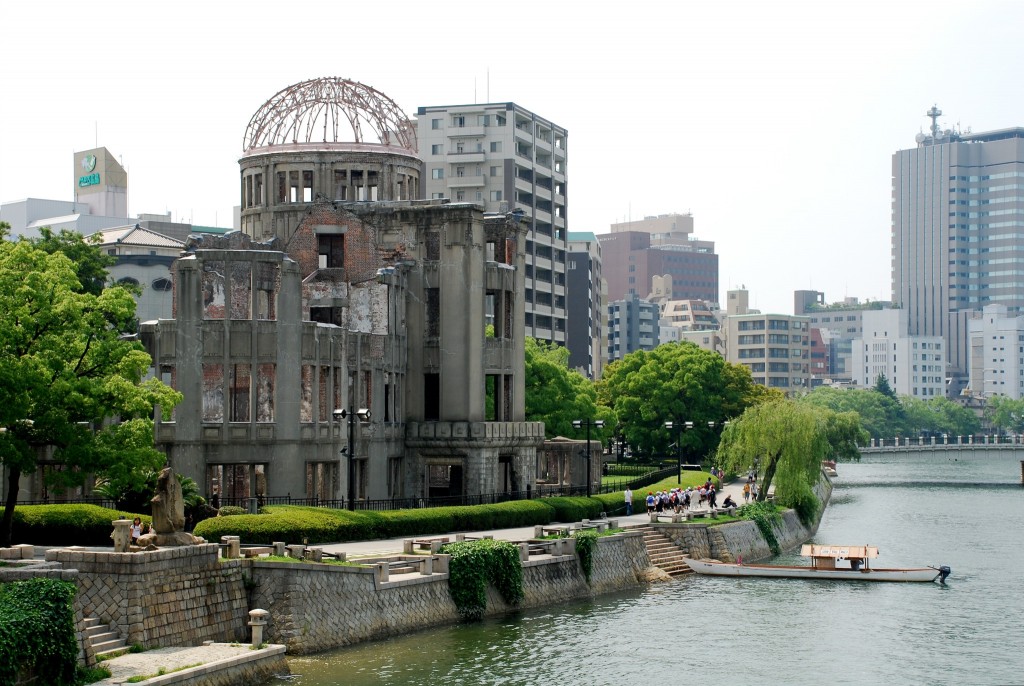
[(390, 546), (178, 664)]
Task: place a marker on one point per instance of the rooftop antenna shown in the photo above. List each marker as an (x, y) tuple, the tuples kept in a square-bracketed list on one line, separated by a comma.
[(934, 113)]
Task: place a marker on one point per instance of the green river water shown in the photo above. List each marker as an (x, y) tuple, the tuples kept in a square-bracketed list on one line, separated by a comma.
[(965, 513)]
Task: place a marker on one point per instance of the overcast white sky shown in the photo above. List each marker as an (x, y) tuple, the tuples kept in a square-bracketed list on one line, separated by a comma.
[(773, 122)]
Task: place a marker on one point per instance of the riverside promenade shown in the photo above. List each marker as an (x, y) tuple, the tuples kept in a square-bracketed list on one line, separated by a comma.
[(221, 663), (390, 546)]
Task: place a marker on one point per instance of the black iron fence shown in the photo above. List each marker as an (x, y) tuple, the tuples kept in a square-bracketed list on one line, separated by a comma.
[(101, 502)]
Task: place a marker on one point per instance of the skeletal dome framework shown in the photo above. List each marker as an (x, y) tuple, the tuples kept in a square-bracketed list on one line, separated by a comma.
[(314, 111)]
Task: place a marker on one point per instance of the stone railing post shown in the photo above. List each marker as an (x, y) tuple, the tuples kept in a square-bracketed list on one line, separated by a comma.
[(234, 547), (122, 535), (279, 547)]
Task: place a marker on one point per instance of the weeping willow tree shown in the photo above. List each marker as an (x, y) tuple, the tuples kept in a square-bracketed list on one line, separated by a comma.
[(788, 441)]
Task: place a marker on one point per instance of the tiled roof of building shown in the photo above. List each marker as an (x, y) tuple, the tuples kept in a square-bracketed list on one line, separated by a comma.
[(136, 235)]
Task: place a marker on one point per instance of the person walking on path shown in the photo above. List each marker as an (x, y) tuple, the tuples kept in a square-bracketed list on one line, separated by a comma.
[(629, 501), (753, 490), (746, 492)]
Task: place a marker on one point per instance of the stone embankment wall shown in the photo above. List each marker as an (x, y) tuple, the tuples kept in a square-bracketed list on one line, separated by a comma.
[(167, 597), (317, 607), (729, 542)]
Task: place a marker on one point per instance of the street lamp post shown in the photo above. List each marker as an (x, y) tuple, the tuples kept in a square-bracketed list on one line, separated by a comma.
[(362, 415), (580, 423), (679, 428)]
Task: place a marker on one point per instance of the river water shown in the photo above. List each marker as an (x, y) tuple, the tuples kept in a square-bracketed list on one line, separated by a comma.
[(965, 513)]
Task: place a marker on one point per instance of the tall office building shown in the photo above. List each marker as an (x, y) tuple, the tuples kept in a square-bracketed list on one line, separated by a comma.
[(506, 158), (632, 325), (637, 252), (957, 230), (587, 302)]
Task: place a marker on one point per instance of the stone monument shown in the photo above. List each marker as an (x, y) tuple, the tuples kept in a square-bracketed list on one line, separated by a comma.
[(168, 515)]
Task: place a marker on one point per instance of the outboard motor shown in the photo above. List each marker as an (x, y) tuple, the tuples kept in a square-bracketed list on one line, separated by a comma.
[(944, 571)]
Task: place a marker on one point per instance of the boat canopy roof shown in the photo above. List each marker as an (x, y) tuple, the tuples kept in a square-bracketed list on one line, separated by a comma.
[(837, 552)]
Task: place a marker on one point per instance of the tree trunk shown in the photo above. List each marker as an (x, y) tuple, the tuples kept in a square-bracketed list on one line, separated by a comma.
[(7, 523), (769, 474)]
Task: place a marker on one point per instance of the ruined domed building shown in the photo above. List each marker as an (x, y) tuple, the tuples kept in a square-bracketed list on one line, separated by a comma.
[(351, 340)]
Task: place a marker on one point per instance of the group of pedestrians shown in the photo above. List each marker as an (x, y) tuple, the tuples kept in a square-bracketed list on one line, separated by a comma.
[(678, 500), (750, 489)]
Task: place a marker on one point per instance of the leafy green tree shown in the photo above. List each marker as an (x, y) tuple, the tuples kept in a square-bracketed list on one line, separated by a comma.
[(676, 382), (937, 416), (557, 395), (67, 372), (1004, 414), (877, 411), (91, 263), (788, 440), (882, 386)]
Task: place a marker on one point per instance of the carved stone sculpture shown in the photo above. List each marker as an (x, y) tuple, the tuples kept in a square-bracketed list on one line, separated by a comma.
[(168, 515)]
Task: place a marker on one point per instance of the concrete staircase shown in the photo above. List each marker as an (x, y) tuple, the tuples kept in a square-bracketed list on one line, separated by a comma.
[(105, 640), (663, 552)]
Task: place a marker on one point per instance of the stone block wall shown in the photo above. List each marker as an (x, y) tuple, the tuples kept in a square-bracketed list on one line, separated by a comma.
[(317, 607), (618, 562), (167, 597)]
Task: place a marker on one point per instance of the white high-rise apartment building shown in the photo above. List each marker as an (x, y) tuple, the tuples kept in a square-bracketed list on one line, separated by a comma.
[(506, 158), (913, 365), (997, 353)]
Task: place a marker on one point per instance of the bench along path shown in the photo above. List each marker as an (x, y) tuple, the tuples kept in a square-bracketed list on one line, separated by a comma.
[(663, 552)]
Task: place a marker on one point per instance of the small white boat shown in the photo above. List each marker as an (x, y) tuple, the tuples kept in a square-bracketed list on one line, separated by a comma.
[(848, 562)]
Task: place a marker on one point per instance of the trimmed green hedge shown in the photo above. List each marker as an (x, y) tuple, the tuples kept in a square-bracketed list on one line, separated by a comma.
[(575, 509), (320, 525), (66, 524), (37, 631), (90, 525)]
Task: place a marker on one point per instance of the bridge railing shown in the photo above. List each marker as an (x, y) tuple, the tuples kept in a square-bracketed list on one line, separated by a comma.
[(944, 441)]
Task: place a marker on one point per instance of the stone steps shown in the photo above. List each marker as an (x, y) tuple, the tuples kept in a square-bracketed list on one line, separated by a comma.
[(105, 641), (663, 552)]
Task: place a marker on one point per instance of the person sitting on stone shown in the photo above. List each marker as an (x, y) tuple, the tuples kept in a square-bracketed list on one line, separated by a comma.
[(136, 530)]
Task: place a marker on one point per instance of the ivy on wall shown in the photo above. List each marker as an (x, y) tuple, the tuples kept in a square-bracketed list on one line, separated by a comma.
[(586, 542), (37, 631), (473, 565), (767, 517)]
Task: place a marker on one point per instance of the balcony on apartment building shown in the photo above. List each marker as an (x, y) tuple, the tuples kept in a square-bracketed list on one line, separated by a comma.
[(466, 157), (466, 131), (467, 180)]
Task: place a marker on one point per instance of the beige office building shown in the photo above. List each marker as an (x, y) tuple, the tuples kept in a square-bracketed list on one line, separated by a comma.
[(505, 158), (776, 348)]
